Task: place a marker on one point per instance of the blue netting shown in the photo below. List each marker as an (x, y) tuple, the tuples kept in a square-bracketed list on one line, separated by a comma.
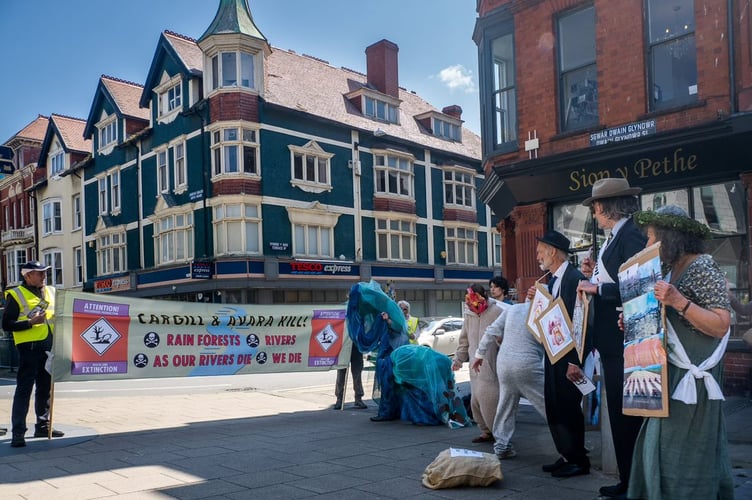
[(426, 387)]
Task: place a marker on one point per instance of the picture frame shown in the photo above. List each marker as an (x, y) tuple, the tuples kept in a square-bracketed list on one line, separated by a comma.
[(645, 391), (540, 302), (556, 330), (580, 323)]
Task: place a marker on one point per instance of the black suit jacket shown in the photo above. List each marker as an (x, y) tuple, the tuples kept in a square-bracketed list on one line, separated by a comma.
[(568, 293), (606, 335)]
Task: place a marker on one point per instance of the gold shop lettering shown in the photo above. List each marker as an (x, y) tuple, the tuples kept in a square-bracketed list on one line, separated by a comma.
[(642, 169)]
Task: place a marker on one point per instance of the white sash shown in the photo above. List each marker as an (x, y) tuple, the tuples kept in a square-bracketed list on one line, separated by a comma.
[(686, 390)]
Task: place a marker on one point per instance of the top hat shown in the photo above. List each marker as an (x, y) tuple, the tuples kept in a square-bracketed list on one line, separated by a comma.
[(33, 265), (610, 187), (556, 240)]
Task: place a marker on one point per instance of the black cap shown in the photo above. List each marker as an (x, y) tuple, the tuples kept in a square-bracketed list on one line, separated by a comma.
[(556, 240)]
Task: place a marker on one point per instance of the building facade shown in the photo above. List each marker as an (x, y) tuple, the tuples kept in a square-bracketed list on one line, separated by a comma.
[(657, 91), (244, 173)]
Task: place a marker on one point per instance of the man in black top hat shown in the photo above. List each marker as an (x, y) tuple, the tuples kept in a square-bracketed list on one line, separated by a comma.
[(562, 398), (29, 314)]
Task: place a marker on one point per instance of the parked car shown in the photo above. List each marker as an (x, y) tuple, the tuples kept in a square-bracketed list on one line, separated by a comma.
[(440, 333)]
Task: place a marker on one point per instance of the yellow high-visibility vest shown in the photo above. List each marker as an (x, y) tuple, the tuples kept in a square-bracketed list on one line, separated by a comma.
[(27, 301)]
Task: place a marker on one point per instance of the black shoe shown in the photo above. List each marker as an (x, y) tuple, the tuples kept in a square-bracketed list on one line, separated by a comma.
[(554, 466), (41, 432), (570, 470), (3, 431), (18, 441), (379, 418), (616, 490), (359, 404), (337, 405)]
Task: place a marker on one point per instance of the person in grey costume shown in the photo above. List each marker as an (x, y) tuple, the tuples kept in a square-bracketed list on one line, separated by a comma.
[(519, 366)]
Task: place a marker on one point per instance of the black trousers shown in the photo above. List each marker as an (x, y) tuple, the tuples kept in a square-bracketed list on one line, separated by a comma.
[(356, 368), (624, 428), (564, 413), (31, 374)]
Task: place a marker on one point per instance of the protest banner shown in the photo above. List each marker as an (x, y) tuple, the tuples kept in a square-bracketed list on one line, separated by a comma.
[(110, 337)]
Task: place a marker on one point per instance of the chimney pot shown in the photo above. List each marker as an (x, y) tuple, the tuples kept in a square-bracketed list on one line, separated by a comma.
[(454, 111)]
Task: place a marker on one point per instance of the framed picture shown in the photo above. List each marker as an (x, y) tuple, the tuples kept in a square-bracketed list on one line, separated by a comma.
[(540, 303), (645, 391), (556, 330), (579, 323)]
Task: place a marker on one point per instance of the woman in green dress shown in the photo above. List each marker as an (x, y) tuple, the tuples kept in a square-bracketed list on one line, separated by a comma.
[(686, 454)]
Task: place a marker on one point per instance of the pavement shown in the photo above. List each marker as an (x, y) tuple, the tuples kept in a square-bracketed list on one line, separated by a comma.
[(285, 444)]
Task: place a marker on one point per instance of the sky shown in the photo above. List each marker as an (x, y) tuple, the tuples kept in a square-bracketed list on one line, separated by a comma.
[(52, 52)]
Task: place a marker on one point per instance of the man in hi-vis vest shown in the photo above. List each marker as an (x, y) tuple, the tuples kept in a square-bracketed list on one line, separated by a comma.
[(29, 314)]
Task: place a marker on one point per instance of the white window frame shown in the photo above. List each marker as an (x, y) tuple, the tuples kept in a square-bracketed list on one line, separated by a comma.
[(111, 252), (14, 259), (244, 66), (163, 172), (115, 191), (78, 265), (320, 179), (389, 166), (108, 133), (57, 163), (54, 259), (181, 169), (459, 185), (239, 219), (380, 109), (173, 237), (170, 97), (52, 217), (77, 213), (461, 245), (391, 231), (312, 231), (239, 138), (446, 129), (102, 195), (497, 248)]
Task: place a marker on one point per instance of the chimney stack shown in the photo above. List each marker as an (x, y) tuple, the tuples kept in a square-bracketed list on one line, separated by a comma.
[(454, 111), (381, 67)]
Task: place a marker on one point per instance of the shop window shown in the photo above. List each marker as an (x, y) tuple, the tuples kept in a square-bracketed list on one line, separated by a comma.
[(672, 53), (722, 207), (654, 201), (578, 85)]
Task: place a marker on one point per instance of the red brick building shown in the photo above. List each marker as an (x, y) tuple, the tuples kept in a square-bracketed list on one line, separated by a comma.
[(657, 91)]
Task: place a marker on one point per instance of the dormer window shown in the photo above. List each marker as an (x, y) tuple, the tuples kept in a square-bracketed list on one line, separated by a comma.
[(446, 130), (107, 133), (381, 110), (171, 99), (232, 69), (375, 105), (441, 125), (57, 163)]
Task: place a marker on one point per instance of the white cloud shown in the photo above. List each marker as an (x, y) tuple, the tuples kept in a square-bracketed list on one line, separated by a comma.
[(457, 77)]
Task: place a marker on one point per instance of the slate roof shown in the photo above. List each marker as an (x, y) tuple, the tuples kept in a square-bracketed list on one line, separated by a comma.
[(311, 85), (126, 95), (187, 50), (71, 132), (33, 131)]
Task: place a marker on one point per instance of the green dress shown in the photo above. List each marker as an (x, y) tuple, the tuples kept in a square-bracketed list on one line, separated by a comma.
[(686, 454)]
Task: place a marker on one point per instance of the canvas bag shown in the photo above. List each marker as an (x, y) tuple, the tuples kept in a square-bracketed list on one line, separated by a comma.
[(447, 471)]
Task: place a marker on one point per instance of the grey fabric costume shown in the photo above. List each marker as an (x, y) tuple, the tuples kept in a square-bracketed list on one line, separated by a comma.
[(519, 366)]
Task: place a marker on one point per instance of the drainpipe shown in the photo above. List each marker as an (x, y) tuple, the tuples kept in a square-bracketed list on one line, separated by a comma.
[(732, 59)]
